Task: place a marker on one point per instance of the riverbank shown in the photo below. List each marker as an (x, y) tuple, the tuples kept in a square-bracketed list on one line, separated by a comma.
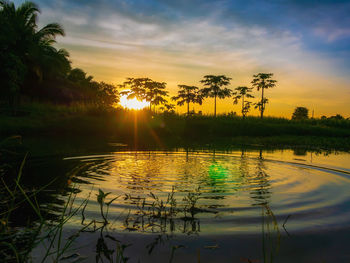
[(143, 129)]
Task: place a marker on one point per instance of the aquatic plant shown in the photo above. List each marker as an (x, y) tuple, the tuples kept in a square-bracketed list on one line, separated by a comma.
[(101, 197)]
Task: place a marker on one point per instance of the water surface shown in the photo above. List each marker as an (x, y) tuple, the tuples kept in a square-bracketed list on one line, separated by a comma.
[(219, 198)]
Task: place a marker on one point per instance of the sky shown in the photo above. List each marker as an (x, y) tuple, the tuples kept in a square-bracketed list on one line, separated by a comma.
[(306, 44)]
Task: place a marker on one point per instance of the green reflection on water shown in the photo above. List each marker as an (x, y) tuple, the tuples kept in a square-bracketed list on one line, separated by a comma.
[(217, 171)]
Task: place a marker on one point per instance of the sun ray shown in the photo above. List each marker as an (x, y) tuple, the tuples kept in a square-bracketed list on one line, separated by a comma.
[(133, 104)]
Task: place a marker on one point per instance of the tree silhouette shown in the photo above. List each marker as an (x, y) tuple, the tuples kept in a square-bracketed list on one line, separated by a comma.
[(263, 81), (156, 93), (27, 52), (145, 89), (168, 108), (187, 94), (214, 88), (261, 104), (107, 94), (242, 93), (300, 113)]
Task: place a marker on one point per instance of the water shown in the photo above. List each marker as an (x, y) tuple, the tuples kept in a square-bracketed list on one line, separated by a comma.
[(230, 205), (232, 187)]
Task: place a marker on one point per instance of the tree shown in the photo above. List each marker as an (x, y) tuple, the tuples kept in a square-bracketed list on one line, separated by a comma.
[(168, 108), (263, 81), (108, 94), (145, 89), (242, 93), (260, 104), (156, 93), (300, 113), (337, 117), (214, 88), (246, 108), (27, 50), (188, 94)]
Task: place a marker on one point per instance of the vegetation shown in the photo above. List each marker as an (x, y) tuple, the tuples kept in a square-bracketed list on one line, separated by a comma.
[(145, 89), (215, 88), (43, 96), (169, 129), (242, 93), (300, 113), (261, 82), (188, 94), (33, 69)]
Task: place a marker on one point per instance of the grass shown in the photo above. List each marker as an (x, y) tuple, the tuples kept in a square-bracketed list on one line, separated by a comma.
[(170, 129)]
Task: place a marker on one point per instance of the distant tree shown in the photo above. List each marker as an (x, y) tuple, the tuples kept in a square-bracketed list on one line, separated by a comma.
[(188, 94), (263, 81), (300, 113), (337, 117), (214, 88), (242, 92), (246, 108), (145, 89)]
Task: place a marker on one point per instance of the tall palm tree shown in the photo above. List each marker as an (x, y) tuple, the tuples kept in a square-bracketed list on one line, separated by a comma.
[(242, 92), (263, 81), (214, 87), (187, 94)]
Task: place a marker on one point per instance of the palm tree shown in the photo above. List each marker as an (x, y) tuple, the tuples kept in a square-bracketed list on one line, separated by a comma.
[(136, 88), (145, 89), (25, 45), (214, 88), (263, 81), (156, 93), (188, 94), (241, 93)]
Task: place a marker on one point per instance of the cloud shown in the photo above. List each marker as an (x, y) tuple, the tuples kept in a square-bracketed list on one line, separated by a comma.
[(306, 44)]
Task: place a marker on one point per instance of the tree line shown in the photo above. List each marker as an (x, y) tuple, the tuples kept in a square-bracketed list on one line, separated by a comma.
[(33, 69), (215, 86)]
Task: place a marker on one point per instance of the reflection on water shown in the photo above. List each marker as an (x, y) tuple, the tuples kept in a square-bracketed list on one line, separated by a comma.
[(161, 195), (232, 189)]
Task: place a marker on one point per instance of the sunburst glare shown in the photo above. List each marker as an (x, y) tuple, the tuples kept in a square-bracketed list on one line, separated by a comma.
[(133, 104)]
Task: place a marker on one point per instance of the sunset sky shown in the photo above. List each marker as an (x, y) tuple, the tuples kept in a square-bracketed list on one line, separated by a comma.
[(306, 44)]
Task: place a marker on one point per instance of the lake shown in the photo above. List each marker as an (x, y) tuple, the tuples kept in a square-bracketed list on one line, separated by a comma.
[(252, 205)]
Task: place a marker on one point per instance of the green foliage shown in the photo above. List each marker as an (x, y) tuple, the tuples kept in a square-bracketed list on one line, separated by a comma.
[(300, 113), (31, 67), (215, 87)]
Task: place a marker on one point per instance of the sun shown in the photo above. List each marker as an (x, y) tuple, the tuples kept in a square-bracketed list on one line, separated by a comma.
[(133, 104)]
